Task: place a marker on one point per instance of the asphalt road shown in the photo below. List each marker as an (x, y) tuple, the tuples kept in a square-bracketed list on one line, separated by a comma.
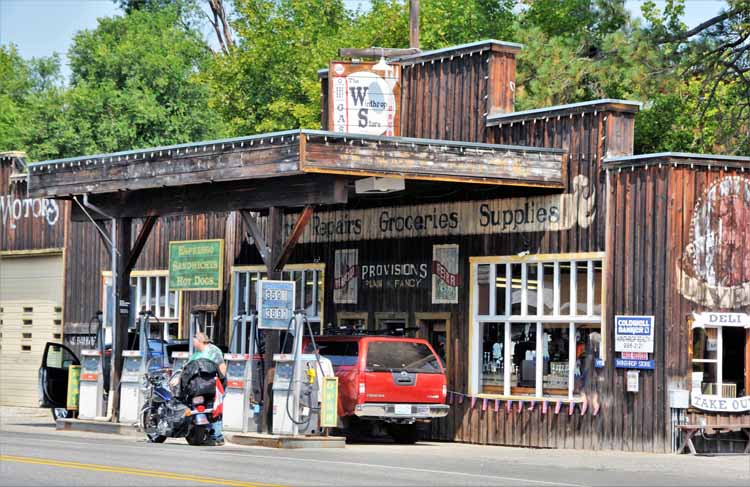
[(33, 453)]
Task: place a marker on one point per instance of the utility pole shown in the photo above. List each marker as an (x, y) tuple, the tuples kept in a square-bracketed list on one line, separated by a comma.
[(414, 24)]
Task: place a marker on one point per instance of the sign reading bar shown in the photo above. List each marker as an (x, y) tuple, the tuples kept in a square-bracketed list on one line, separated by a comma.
[(275, 304), (634, 334), (330, 402), (196, 265)]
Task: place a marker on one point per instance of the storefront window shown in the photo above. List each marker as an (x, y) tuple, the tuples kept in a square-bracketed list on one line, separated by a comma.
[(308, 288), (719, 367), (540, 335)]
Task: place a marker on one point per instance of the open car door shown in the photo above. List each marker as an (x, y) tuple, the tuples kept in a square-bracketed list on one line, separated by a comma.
[(53, 375)]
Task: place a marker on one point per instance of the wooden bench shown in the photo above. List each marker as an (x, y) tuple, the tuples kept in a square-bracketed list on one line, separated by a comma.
[(689, 430)]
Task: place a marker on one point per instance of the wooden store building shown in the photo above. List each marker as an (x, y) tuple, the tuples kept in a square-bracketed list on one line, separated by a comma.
[(426, 205)]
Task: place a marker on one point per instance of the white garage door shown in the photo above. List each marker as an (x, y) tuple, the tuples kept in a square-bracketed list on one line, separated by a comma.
[(31, 296)]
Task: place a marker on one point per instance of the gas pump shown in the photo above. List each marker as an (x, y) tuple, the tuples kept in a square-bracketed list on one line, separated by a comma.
[(241, 407), (134, 367), (297, 386), (91, 399), (179, 359)]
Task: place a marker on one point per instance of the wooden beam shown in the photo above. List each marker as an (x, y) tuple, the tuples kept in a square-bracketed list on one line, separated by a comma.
[(376, 52), (299, 227), (290, 192), (414, 24), (121, 281), (260, 241), (140, 241)]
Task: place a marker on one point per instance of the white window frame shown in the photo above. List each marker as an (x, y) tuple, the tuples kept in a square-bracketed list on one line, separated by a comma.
[(148, 279), (504, 317), (258, 272), (719, 360)]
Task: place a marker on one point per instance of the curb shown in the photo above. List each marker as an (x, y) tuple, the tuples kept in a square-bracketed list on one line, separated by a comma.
[(286, 442), (91, 426)]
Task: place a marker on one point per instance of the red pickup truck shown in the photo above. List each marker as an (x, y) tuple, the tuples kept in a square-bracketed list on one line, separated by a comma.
[(387, 383)]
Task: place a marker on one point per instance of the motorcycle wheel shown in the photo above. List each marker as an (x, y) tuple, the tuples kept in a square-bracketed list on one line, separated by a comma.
[(197, 437), (152, 437)]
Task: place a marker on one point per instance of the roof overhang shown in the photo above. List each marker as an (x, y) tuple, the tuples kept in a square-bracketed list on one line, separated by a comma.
[(296, 153), (605, 104), (716, 161)]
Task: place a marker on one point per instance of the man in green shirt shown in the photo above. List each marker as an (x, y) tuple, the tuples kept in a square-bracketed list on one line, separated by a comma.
[(207, 350)]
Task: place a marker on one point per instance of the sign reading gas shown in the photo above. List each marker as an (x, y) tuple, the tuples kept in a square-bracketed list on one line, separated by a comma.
[(275, 304), (196, 265)]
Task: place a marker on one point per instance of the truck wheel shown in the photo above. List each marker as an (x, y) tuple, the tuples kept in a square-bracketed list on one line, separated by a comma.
[(403, 434)]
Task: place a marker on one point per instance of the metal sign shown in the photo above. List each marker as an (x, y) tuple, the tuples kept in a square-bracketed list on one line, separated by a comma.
[(633, 376), (329, 402), (634, 334), (624, 363), (720, 404), (196, 265), (710, 318), (275, 304)]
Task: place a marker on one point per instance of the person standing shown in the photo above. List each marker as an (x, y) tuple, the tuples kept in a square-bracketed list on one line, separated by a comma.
[(204, 349)]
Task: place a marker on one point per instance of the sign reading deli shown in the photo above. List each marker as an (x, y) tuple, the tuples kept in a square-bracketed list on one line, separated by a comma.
[(510, 215), (196, 265), (363, 98)]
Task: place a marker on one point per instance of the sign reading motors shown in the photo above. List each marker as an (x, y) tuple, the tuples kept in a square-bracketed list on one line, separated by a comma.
[(196, 265), (275, 304), (634, 334), (363, 98)]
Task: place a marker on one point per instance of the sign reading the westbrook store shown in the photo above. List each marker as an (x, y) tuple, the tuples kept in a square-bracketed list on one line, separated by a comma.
[(196, 265), (484, 217)]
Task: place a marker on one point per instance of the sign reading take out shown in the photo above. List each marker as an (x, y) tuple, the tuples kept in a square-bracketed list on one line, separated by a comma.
[(196, 265)]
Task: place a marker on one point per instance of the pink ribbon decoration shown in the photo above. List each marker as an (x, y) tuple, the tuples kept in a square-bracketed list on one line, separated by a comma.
[(520, 406), (571, 408), (484, 404), (531, 407), (508, 405), (544, 407), (473, 402), (497, 405), (558, 405)]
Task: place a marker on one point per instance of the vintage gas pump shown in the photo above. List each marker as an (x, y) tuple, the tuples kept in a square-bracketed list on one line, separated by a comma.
[(91, 400), (241, 408), (297, 387), (134, 367)]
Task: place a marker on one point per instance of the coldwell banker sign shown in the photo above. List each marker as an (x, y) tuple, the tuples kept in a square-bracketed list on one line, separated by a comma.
[(364, 100), (634, 334)]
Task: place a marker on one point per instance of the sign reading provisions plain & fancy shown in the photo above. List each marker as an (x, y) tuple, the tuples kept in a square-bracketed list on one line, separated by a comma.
[(196, 265)]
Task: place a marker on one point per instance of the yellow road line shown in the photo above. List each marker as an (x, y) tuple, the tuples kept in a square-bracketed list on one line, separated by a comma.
[(132, 471)]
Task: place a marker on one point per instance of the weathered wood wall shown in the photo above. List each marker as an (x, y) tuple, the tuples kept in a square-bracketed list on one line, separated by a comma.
[(28, 224), (650, 234)]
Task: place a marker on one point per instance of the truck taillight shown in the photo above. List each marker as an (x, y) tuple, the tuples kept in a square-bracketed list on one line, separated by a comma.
[(362, 388), (445, 390)]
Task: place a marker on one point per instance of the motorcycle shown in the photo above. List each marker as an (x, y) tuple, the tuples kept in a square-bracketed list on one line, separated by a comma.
[(185, 410)]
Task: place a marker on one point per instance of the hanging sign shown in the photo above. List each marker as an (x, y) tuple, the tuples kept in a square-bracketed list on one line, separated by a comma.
[(624, 363), (275, 304), (710, 318), (634, 334), (196, 265), (720, 404), (346, 276), (364, 99), (445, 274), (329, 403)]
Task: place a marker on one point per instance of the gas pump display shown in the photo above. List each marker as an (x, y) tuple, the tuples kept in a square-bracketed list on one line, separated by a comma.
[(131, 395), (309, 410), (179, 359), (239, 410)]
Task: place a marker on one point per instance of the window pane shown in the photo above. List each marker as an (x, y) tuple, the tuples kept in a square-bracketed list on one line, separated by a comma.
[(705, 343), (493, 344), (555, 348), (309, 284), (523, 353), (548, 289), (532, 287), (500, 289), (401, 356), (483, 284), (564, 288), (581, 287), (516, 288), (588, 342), (705, 373), (598, 288)]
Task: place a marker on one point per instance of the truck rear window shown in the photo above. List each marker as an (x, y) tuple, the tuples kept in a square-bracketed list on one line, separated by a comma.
[(390, 356), (339, 353)]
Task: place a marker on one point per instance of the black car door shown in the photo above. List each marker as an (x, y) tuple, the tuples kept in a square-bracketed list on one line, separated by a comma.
[(53, 375)]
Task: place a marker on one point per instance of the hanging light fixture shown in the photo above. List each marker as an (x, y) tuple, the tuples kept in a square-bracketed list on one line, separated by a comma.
[(381, 65)]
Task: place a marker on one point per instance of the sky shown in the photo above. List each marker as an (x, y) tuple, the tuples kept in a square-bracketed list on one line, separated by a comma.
[(42, 27)]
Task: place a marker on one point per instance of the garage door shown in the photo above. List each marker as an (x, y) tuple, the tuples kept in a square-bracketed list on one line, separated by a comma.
[(31, 296)]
